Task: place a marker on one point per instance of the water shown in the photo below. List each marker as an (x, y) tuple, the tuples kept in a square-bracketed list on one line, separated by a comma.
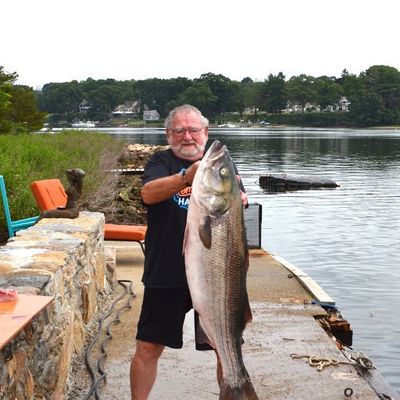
[(347, 239)]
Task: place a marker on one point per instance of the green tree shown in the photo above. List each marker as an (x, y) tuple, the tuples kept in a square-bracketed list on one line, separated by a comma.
[(384, 82), (328, 92), (367, 109), (252, 94), (301, 90), (62, 99), (200, 96), (18, 107), (24, 111), (223, 89), (6, 81), (274, 94)]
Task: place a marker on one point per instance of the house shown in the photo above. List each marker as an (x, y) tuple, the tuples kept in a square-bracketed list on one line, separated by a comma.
[(128, 109), (296, 108), (84, 107), (151, 115), (343, 104)]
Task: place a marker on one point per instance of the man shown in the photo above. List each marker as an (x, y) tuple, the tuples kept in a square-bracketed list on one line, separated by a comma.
[(166, 192)]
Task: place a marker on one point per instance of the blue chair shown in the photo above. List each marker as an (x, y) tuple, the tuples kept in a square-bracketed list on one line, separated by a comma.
[(13, 226)]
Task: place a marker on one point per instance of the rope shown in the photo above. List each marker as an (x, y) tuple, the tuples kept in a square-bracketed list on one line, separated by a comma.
[(321, 362), (96, 382)]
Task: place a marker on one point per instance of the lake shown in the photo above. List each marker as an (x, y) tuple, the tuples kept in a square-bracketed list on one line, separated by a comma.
[(348, 238)]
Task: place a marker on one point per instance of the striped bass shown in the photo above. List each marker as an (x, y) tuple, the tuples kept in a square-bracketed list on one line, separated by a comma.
[(216, 261)]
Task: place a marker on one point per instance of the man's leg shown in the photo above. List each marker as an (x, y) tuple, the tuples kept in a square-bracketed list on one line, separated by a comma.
[(144, 368)]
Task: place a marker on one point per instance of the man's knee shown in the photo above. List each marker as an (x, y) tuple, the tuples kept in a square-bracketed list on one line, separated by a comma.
[(148, 351)]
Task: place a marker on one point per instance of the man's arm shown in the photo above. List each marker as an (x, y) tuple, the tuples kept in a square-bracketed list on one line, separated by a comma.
[(163, 188)]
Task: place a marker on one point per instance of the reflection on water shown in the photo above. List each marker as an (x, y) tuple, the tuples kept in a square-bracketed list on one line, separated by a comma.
[(347, 238)]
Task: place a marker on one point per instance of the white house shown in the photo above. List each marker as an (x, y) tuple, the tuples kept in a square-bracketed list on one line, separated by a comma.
[(129, 108), (84, 106), (343, 104), (151, 115)]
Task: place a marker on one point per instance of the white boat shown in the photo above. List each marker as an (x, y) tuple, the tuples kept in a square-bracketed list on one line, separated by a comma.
[(228, 125), (83, 124)]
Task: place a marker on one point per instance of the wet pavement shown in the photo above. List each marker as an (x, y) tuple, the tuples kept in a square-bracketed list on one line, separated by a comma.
[(284, 322)]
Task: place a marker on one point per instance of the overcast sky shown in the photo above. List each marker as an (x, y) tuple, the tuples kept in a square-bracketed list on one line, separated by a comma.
[(62, 40)]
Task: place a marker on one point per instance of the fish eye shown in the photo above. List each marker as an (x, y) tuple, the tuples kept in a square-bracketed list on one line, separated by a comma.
[(224, 172)]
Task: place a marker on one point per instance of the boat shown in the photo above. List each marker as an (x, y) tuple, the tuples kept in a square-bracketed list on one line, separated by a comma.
[(227, 125), (83, 124)]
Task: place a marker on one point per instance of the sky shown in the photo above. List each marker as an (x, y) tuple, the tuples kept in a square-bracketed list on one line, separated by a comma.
[(47, 41)]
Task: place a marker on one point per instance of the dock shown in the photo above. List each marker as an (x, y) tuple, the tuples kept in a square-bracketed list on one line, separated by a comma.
[(285, 322), (286, 182)]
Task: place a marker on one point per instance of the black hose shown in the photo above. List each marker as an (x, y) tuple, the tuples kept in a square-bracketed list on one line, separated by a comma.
[(96, 382)]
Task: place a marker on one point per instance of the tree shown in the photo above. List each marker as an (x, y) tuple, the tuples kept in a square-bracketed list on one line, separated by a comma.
[(384, 82), (23, 110), (328, 92), (62, 98), (274, 94), (300, 90), (367, 109), (6, 81), (252, 95), (200, 96), (223, 89), (18, 107)]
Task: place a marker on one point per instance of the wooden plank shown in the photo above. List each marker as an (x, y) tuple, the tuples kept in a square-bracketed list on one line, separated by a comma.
[(15, 315), (309, 283)]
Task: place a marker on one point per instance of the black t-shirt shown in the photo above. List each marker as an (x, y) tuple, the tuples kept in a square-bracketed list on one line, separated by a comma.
[(166, 221)]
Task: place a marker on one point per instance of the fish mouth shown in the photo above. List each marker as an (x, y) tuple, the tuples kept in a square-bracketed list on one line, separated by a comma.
[(216, 150)]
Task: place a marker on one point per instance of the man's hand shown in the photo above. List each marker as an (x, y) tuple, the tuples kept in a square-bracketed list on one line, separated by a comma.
[(191, 172), (243, 195)]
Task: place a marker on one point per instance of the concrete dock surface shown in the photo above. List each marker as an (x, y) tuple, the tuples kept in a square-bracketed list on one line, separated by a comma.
[(284, 323)]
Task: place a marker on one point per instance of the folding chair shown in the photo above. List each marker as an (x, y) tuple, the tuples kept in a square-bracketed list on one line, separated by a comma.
[(13, 226), (50, 193)]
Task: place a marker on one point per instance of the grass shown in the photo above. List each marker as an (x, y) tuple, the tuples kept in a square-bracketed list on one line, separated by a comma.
[(30, 157)]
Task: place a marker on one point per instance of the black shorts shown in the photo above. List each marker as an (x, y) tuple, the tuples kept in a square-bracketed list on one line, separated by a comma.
[(162, 317)]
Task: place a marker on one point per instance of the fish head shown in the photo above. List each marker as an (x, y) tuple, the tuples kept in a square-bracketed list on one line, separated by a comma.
[(215, 184)]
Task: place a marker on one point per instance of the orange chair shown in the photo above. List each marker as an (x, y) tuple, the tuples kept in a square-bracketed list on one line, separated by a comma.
[(50, 193)]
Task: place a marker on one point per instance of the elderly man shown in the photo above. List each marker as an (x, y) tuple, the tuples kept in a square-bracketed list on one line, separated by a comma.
[(166, 192)]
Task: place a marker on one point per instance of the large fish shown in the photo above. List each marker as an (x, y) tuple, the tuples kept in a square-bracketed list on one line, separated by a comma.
[(216, 260)]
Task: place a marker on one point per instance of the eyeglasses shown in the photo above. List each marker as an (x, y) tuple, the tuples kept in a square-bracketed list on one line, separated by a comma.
[(181, 131)]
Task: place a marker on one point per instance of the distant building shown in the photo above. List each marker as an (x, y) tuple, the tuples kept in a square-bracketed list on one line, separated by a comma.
[(84, 107), (343, 104), (128, 109), (151, 115), (296, 108)]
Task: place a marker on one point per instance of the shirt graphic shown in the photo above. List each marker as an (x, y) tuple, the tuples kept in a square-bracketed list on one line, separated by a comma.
[(182, 198)]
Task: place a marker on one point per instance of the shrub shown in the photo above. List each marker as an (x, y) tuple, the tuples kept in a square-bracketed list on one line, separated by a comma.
[(30, 157)]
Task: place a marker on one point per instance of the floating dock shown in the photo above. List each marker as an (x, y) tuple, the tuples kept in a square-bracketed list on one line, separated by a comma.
[(285, 322), (284, 182)]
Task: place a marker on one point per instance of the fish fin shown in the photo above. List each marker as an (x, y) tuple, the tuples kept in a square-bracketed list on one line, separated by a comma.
[(201, 336), (244, 391), (205, 232), (248, 316)]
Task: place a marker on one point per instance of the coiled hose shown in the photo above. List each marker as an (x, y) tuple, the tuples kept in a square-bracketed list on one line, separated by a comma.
[(128, 290)]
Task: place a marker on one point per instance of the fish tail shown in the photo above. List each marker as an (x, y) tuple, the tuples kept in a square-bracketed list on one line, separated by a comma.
[(243, 392)]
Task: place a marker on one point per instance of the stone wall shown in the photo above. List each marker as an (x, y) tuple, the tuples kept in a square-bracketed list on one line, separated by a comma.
[(64, 258)]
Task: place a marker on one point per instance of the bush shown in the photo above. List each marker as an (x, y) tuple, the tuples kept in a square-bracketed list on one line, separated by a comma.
[(26, 158)]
